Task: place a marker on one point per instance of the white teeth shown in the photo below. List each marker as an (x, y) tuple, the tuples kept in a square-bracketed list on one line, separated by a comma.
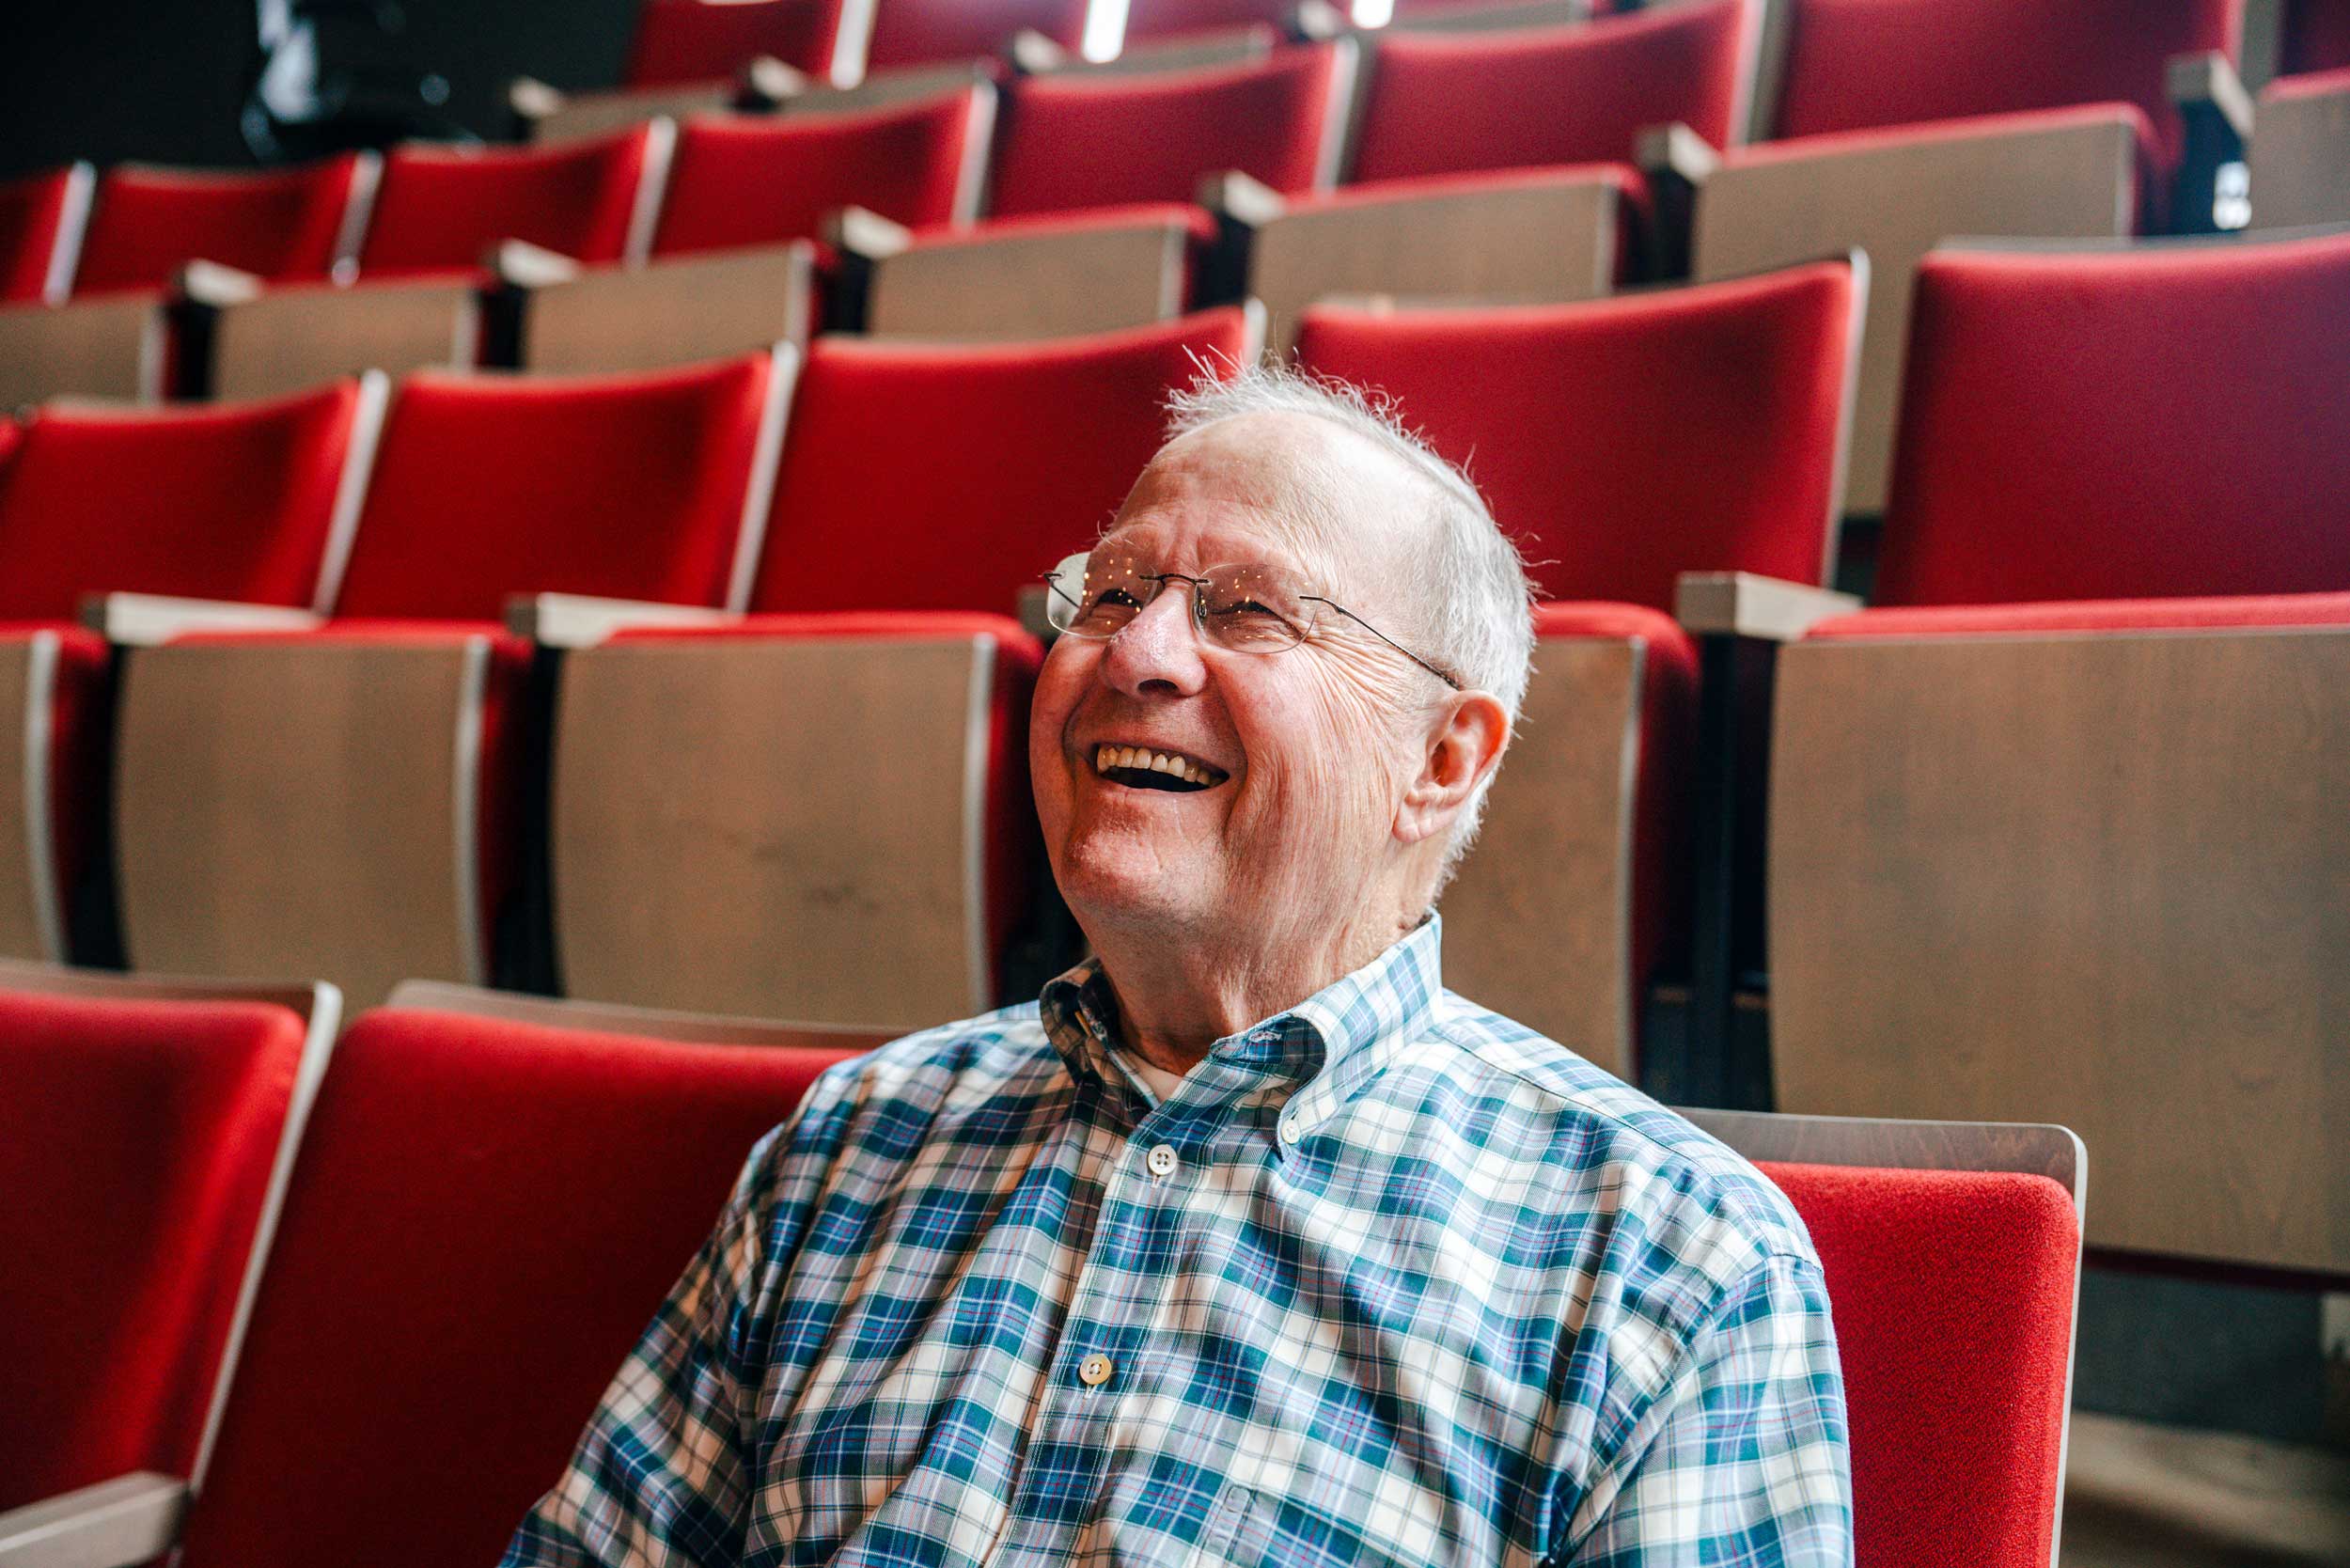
[(1108, 757)]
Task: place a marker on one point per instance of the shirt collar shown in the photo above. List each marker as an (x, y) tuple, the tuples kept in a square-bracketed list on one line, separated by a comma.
[(1329, 1043)]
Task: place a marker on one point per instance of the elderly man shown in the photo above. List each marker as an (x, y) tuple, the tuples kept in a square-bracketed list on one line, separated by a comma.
[(1249, 1244)]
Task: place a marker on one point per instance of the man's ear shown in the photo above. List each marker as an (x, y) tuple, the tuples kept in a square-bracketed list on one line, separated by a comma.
[(1465, 746)]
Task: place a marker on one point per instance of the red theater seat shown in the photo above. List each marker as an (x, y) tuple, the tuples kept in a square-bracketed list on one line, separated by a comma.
[(904, 483), (1152, 21), (2124, 422), (441, 208), (41, 218), (484, 1215), (144, 1123), (278, 224), (1452, 102), (1952, 1283), (2316, 37), (1855, 65), (683, 42), (1625, 441), (762, 178), (1088, 139), (925, 31), (388, 745)]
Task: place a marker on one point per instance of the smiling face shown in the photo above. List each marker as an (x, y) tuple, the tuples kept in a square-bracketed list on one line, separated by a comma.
[(1244, 801)]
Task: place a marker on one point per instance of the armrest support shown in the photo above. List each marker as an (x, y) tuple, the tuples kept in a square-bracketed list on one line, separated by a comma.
[(1677, 161), (132, 1518), (1318, 22), (581, 621), (215, 287), (765, 81), (1242, 206), (532, 100), (520, 264), (867, 235), (1031, 53), (1241, 199), (146, 619), (1744, 605), (2212, 187)]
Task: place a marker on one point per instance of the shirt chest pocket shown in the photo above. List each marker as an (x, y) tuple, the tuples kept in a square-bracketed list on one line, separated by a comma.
[(1361, 1518)]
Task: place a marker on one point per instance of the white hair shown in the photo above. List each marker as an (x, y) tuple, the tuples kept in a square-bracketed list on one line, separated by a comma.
[(1475, 615)]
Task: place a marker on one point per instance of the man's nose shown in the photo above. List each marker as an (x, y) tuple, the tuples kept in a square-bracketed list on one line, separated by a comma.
[(1158, 651)]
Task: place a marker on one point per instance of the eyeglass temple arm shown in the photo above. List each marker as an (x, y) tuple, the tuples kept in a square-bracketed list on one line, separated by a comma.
[(1388, 640)]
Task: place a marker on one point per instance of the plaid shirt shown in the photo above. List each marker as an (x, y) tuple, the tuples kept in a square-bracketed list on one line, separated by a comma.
[(1390, 1280)]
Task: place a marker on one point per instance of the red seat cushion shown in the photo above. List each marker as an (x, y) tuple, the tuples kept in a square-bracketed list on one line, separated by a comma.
[(443, 207), (1082, 139), (937, 478), (31, 209), (680, 41), (1010, 809), (1669, 705), (625, 486), (1952, 1294), (926, 32), (277, 224), (1624, 442), (1853, 64), (140, 1138), (746, 179), (483, 1218), (218, 501), (2124, 423), (1447, 102)]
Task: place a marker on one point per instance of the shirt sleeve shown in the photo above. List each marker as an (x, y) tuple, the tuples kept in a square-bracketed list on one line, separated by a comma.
[(660, 1474), (1743, 1458)]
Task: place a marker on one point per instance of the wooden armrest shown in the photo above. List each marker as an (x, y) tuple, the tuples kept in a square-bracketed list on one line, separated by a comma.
[(211, 284), (768, 80), (1745, 605), (1240, 198), (147, 620), (1031, 53), (130, 1519), (1318, 22), (520, 264), (1675, 151), (2210, 79), (865, 234), (532, 100), (581, 621)]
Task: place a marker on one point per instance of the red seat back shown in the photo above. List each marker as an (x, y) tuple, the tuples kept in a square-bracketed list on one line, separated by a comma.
[(1081, 139), (2317, 36), (2124, 423), (1952, 1294), (440, 207), (1449, 102), (224, 501), (925, 31), (1853, 64), (482, 1219), (140, 1138), (1148, 21), (920, 477), (624, 486), (1624, 442), (278, 224), (747, 179), (679, 41), (32, 209)]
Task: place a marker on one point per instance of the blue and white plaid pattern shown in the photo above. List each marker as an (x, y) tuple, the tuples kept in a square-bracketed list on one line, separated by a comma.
[(1417, 1287)]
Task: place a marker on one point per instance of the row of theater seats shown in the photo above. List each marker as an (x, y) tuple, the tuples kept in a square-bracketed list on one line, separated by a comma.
[(262, 1325), (2003, 773)]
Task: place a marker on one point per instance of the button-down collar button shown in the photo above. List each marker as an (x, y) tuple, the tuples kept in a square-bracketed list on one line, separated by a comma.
[(1095, 1369), (1292, 1128), (1160, 1160)]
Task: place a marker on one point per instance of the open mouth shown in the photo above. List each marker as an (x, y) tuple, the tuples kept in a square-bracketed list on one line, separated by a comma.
[(1140, 768)]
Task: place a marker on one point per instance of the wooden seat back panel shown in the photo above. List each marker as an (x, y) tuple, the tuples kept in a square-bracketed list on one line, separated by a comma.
[(290, 338), (1025, 286), (102, 347), (2102, 881), (2300, 160), (674, 311)]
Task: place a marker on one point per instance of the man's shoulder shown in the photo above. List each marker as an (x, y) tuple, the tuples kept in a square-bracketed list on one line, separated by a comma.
[(1683, 1188), (991, 1053)]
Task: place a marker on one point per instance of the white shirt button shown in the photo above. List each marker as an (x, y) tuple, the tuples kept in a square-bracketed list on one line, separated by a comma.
[(1095, 1369), (1161, 1160), (1291, 1129)]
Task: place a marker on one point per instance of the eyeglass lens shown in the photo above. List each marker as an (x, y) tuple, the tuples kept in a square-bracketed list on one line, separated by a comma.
[(1243, 607)]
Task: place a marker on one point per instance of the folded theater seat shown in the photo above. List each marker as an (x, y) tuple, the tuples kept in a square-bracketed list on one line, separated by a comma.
[(1619, 442), (1951, 1252), (737, 256), (413, 267), (2083, 773), (2300, 152), (343, 800), (151, 1124), (230, 502), (94, 322), (822, 811), (1892, 125), (381, 1412)]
